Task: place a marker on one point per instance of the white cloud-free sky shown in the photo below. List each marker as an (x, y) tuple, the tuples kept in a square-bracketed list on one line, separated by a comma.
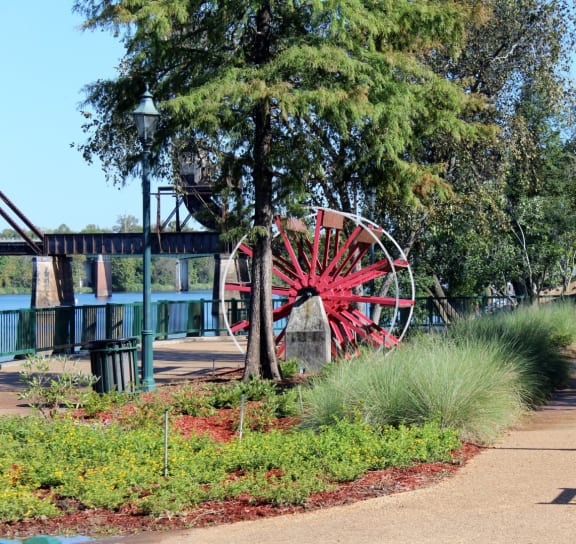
[(46, 61)]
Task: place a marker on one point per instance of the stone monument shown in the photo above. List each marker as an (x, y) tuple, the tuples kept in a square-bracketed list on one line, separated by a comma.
[(308, 338)]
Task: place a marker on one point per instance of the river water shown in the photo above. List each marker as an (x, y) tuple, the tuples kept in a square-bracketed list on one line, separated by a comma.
[(19, 302)]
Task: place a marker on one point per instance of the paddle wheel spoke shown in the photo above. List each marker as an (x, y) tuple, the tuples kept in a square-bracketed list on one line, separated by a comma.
[(344, 260)]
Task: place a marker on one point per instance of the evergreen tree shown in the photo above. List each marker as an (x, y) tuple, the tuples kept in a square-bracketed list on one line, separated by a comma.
[(291, 98)]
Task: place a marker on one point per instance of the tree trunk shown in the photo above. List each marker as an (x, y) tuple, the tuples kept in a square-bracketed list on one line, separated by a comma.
[(261, 361), (446, 311)]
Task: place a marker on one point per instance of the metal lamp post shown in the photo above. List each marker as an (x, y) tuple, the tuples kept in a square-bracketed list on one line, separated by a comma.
[(146, 118)]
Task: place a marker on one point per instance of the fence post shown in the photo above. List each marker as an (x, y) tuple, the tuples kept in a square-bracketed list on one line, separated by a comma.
[(137, 308), (234, 311), (26, 332), (108, 323), (63, 339), (162, 319), (195, 320)]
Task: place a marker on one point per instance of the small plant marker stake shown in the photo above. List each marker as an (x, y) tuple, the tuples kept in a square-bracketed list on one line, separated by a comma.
[(241, 426), (165, 443), (213, 367), (300, 371)]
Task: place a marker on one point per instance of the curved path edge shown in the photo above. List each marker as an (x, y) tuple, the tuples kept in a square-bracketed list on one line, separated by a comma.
[(522, 490)]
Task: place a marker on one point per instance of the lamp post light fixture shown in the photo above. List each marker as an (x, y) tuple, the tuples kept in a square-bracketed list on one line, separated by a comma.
[(146, 118)]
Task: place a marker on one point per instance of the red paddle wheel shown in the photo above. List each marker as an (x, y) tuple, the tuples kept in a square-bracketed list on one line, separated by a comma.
[(344, 259)]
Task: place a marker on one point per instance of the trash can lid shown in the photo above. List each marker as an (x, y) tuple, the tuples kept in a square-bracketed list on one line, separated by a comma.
[(110, 343), (40, 539), (97, 344)]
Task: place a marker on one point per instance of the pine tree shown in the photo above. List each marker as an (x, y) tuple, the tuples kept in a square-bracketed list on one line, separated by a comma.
[(298, 99)]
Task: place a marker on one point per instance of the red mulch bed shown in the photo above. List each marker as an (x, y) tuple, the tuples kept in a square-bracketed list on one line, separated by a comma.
[(221, 427)]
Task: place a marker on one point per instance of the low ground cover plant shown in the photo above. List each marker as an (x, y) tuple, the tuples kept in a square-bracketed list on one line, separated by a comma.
[(46, 463), (373, 412)]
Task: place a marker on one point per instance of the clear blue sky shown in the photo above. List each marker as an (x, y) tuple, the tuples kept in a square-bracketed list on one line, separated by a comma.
[(46, 61)]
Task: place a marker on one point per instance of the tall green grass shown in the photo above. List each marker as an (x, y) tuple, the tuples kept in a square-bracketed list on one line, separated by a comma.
[(533, 336), (478, 378)]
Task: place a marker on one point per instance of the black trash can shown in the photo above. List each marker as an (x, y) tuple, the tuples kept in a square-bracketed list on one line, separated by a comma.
[(115, 364)]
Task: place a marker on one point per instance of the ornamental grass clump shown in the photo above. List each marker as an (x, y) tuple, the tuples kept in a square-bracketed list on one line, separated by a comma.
[(477, 378), (467, 387), (533, 338), (472, 386), (363, 388)]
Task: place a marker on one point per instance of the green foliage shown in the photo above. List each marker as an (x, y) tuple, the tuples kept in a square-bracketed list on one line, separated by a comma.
[(95, 403), (289, 368), (331, 80), (127, 223), (187, 400), (478, 379), (230, 396), (533, 338), (511, 212), (468, 389), (369, 413), (263, 403), (15, 273), (127, 274), (110, 466), (49, 392)]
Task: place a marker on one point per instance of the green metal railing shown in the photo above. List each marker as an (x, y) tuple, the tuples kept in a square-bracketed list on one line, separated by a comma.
[(66, 328)]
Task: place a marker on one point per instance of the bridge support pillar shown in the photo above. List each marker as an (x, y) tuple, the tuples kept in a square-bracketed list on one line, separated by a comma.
[(102, 277), (52, 283), (181, 275), (237, 273)]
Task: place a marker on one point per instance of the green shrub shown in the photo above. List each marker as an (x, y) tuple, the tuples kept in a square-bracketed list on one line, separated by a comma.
[(189, 400), (95, 403), (289, 368), (49, 392), (111, 466)]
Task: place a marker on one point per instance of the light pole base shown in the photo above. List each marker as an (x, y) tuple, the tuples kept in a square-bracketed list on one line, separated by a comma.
[(148, 385)]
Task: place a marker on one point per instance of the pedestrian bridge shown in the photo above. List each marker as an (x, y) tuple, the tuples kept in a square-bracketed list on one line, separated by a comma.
[(126, 243)]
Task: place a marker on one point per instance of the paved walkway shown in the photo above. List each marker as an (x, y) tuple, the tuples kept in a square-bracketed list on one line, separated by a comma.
[(174, 360), (522, 490)]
